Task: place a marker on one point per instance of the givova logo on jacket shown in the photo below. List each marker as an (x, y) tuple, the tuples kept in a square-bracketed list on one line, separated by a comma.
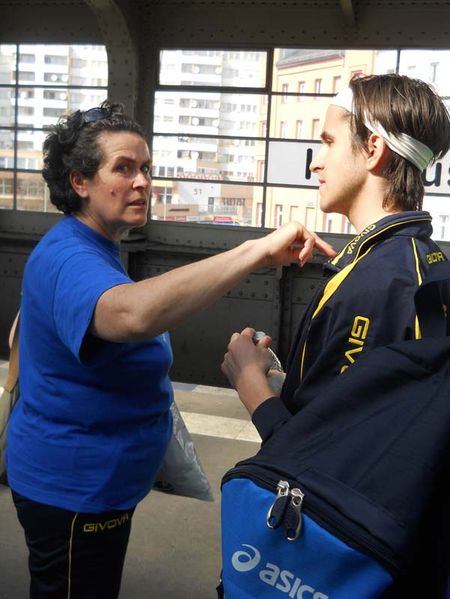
[(272, 575)]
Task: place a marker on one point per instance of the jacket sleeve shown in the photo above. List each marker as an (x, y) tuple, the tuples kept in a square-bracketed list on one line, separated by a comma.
[(270, 416)]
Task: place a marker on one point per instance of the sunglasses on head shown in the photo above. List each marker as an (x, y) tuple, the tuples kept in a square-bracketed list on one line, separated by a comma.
[(95, 114)]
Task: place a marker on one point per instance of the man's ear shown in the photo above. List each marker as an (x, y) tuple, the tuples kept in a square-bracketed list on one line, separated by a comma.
[(78, 183), (377, 153)]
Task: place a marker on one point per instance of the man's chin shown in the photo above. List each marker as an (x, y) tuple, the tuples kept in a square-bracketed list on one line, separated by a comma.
[(324, 208)]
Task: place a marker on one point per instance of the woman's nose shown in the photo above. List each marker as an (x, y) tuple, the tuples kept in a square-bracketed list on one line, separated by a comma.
[(142, 180)]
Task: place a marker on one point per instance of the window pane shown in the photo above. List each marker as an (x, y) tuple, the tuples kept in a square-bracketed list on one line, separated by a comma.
[(303, 83), (209, 113), (213, 68), (32, 193), (438, 208), (289, 163), (7, 63), (75, 64), (202, 202), (48, 104), (311, 112), (38, 106), (313, 71), (6, 189), (29, 149), (206, 158), (386, 61), (286, 204), (431, 66), (6, 147), (7, 107)]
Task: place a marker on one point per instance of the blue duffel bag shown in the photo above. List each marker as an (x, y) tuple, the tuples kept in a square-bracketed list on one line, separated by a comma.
[(350, 498)]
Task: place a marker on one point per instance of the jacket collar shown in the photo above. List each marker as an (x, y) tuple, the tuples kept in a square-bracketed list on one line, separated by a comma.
[(413, 223)]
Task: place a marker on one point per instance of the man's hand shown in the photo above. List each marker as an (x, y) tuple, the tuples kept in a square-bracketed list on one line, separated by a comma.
[(246, 366)]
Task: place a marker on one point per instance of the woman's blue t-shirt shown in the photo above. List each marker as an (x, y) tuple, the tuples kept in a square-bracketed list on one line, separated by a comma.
[(93, 421)]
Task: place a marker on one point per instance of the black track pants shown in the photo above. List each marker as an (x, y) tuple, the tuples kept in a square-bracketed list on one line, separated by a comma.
[(73, 555)]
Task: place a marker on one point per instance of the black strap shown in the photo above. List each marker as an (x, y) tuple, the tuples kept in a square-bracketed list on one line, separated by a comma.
[(432, 301)]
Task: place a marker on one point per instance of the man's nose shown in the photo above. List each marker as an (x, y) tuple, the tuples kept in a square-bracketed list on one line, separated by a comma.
[(316, 162)]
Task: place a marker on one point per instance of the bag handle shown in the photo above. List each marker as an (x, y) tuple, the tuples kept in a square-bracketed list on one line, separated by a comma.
[(433, 319), (13, 369)]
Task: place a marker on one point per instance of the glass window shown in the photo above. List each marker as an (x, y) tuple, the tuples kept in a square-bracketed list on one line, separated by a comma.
[(312, 107), (27, 58), (430, 65), (336, 83), (206, 201), (315, 129), (278, 215), (223, 132), (207, 157), (40, 98), (301, 89), (61, 60), (6, 189), (220, 68)]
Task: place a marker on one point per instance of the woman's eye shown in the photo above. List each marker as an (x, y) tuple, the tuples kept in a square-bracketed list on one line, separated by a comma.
[(122, 168), (146, 169)]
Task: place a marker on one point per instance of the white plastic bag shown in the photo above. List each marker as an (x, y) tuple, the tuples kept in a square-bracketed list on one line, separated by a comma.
[(181, 472)]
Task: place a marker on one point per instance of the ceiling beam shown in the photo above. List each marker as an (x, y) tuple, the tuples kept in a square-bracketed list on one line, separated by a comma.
[(348, 10)]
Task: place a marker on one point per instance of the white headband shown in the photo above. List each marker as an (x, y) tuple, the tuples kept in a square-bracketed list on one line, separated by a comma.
[(401, 143)]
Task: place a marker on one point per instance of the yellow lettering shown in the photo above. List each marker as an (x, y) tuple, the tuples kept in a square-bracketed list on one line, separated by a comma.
[(357, 337), (435, 257), (355, 341), (360, 327), (108, 524), (355, 240), (349, 354)]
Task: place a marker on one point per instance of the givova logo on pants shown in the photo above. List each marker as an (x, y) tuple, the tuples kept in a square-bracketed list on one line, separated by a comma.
[(272, 575)]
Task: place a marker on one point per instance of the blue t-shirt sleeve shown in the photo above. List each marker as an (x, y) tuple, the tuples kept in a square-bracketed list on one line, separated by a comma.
[(81, 280)]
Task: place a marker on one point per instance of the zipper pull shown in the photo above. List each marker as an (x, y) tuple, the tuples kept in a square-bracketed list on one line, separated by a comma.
[(293, 517), (278, 507)]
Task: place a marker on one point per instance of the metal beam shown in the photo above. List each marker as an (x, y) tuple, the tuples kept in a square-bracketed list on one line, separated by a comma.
[(348, 10), (122, 54)]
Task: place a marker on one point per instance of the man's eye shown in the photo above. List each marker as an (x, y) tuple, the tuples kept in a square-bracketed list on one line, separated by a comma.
[(122, 168), (146, 169)]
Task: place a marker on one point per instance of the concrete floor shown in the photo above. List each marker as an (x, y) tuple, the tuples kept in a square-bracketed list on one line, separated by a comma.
[(174, 550)]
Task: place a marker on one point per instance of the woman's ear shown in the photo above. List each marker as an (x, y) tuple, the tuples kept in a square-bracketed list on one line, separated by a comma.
[(79, 184), (377, 153)]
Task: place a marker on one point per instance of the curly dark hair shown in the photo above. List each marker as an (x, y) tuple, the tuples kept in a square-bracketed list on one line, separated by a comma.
[(72, 146)]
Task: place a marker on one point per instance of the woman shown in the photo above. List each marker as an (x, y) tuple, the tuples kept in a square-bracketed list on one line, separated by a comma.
[(88, 436)]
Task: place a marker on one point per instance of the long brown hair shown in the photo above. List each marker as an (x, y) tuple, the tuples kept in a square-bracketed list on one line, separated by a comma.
[(400, 105)]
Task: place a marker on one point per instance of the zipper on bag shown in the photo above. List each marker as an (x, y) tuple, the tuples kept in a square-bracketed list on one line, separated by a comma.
[(286, 510), (294, 508), (278, 508)]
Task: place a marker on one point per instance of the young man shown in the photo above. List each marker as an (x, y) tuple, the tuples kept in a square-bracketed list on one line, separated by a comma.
[(379, 135)]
